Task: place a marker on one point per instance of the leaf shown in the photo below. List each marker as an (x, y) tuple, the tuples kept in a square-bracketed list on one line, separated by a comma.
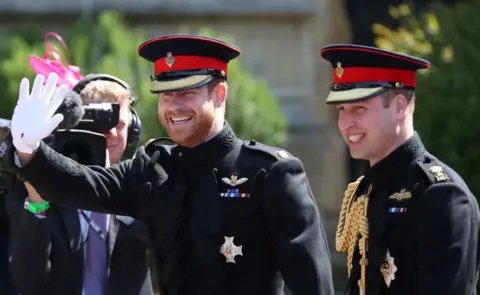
[(447, 95), (109, 45)]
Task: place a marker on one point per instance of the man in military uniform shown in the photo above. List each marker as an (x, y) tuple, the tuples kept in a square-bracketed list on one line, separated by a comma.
[(410, 224), (225, 216)]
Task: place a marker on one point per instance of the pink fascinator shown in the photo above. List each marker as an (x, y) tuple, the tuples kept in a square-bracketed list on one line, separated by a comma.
[(52, 63)]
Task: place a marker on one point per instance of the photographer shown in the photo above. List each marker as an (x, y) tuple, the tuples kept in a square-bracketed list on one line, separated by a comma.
[(59, 250)]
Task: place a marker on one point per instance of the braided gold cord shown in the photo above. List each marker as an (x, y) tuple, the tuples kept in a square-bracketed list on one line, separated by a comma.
[(353, 229), (363, 229), (340, 240), (353, 224)]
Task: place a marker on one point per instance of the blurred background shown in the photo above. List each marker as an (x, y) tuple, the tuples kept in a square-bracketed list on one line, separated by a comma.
[(278, 86)]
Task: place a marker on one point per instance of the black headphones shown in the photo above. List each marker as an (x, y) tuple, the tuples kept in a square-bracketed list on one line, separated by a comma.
[(135, 124)]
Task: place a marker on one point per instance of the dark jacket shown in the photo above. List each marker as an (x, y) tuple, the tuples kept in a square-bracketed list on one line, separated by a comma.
[(192, 206), (423, 216), (5, 281), (48, 256)]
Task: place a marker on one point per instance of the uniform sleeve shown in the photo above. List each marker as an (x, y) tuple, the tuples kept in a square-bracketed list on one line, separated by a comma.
[(447, 240), (294, 221), (61, 180)]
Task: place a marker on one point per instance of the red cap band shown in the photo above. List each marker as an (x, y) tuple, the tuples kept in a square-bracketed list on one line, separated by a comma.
[(186, 62), (360, 75)]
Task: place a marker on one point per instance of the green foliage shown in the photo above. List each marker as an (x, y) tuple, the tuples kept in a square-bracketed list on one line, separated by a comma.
[(448, 94), (251, 109), (107, 45)]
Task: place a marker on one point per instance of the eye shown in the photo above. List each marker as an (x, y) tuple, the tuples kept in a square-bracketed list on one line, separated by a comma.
[(360, 109), (164, 96)]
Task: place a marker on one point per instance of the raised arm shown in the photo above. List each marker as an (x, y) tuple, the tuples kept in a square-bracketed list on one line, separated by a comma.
[(57, 178), (63, 181)]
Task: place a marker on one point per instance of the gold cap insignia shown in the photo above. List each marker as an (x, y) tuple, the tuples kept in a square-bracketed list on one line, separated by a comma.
[(388, 269), (339, 70), (170, 60), (439, 174), (402, 195), (230, 250)]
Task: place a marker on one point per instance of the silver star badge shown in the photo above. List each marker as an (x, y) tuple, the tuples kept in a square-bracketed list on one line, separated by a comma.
[(230, 250), (388, 269)]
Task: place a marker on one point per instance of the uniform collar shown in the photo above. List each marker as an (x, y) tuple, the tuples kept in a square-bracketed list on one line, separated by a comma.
[(214, 148), (396, 162)]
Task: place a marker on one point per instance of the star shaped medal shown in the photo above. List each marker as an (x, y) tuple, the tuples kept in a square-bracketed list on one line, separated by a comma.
[(388, 269), (230, 250)]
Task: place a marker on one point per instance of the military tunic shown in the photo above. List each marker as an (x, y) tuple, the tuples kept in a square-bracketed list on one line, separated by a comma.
[(421, 225), (226, 217)]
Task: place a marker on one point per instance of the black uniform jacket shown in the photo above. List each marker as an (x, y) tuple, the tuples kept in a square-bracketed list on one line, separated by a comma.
[(5, 281), (194, 200), (423, 227), (48, 254)]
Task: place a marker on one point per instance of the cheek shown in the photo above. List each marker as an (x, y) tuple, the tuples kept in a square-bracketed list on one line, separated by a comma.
[(124, 133), (208, 109), (160, 108), (379, 124), (120, 136)]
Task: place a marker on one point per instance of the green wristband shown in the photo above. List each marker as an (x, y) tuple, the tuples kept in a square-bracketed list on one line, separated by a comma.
[(36, 208)]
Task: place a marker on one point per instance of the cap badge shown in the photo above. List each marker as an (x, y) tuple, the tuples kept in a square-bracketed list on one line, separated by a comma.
[(170, 60), (339, 70)]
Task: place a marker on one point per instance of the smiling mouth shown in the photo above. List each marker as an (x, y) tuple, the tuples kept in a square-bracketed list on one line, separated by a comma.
[(180, 120), (356, 137)]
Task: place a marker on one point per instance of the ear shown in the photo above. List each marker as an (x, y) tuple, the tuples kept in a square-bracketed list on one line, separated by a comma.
[(401, 105), (220, 92)]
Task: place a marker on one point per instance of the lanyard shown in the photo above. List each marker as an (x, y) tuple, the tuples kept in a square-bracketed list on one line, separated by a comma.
[(95, 226)]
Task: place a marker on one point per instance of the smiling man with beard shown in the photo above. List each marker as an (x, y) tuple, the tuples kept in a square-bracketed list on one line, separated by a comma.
[(225, 215)]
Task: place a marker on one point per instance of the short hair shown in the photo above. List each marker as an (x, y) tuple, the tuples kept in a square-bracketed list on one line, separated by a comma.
[(212, 84), (390, 94), (98, 91)]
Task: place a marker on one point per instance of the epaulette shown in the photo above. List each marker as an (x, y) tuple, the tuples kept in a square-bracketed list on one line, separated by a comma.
[(274, 152), (433, 170), (154, 143)]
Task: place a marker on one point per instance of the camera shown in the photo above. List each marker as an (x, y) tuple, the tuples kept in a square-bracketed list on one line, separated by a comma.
[(85, 142)]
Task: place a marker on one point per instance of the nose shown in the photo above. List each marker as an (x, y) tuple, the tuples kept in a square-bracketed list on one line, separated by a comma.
[(345, 121), (111, 133), (176, 106)]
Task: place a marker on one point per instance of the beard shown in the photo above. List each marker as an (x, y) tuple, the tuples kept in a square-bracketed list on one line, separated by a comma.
[(194, 132)]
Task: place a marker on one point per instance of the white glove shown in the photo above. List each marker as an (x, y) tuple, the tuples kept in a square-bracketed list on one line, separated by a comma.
[(32, 118)]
